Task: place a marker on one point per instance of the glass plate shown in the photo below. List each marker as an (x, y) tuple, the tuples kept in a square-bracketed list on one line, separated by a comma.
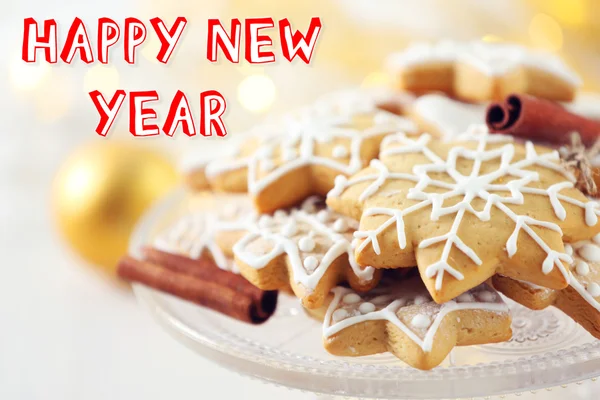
[(547, 349)]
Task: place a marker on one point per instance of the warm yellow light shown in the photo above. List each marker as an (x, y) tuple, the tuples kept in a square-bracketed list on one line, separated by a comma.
[(24, 76), (376, 79), (248, 69), (256, 93), (545, 33), (570, 12), (103, 78), (491, 38), (151, 48), (53, 99)]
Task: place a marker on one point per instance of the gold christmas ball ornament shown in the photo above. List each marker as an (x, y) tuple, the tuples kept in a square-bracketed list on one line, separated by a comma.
[(100, 193)]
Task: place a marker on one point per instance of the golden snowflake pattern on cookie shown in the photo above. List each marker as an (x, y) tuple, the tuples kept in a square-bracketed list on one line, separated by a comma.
[(309, 248), (401, 317), (464, 210)]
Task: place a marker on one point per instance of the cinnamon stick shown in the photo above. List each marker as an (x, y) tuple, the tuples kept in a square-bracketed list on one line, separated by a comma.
[(539, 119), (223, 292)]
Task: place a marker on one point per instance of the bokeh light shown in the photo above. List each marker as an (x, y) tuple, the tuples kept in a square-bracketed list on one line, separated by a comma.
[(256, 93), (24, 76), (545, 33), (103, 78), (377, 79)]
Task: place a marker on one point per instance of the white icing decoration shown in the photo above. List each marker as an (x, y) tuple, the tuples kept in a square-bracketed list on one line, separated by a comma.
[(421, 300), (396, 296), (582, 268), (586, 105), (421, 321), (351, 298), (487, 296), (195, 234), (339, 151), (266, 165), (492, 59), (306, 244), (339, 315), (288, 154), (265, 221), (569, 249), (450, 117), (593, 289), (596, 238), (475, 185), (340, 225), (289, 229), (310, 270), (367, 307), (311, 130), (323, 215), (465, 298), (311, 263), (279, 214), (590, 252)]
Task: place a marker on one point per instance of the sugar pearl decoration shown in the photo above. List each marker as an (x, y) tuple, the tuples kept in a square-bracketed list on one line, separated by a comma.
[(465, 298), (593, 289), (569, 249), (323, 215), (487, 296), (311, 263), (420, 300), (339, 314), (421, 321), (339, 151), (366, 308), (351, 298), (590, 252), (582, 268), (289, 229), (306, 244), (340, 225)]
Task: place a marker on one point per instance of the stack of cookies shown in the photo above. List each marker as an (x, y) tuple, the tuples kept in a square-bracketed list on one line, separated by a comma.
[(398, 238)]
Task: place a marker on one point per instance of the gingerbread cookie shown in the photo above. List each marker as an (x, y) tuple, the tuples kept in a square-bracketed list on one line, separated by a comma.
[(309, 248), (211, 231), (445, 117), (283, 170), (400, 317), (466, 210), (581, 300), (478, 71)]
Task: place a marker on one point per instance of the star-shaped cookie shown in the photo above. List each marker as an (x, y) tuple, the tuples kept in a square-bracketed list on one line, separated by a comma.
[(210, 230), (281, 170), (400, 317), (309, 249), (580, 300), (465, 210), (478, 71)]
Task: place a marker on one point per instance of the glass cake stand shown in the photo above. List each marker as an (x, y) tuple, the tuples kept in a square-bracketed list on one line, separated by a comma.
[(547, 349)]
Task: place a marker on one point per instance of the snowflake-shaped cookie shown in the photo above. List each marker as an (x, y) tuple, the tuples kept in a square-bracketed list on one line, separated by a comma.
[(580, 300), (401, 317), (216, 223), (303, 158), (309, 248), (464, 210), (482, 71)]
